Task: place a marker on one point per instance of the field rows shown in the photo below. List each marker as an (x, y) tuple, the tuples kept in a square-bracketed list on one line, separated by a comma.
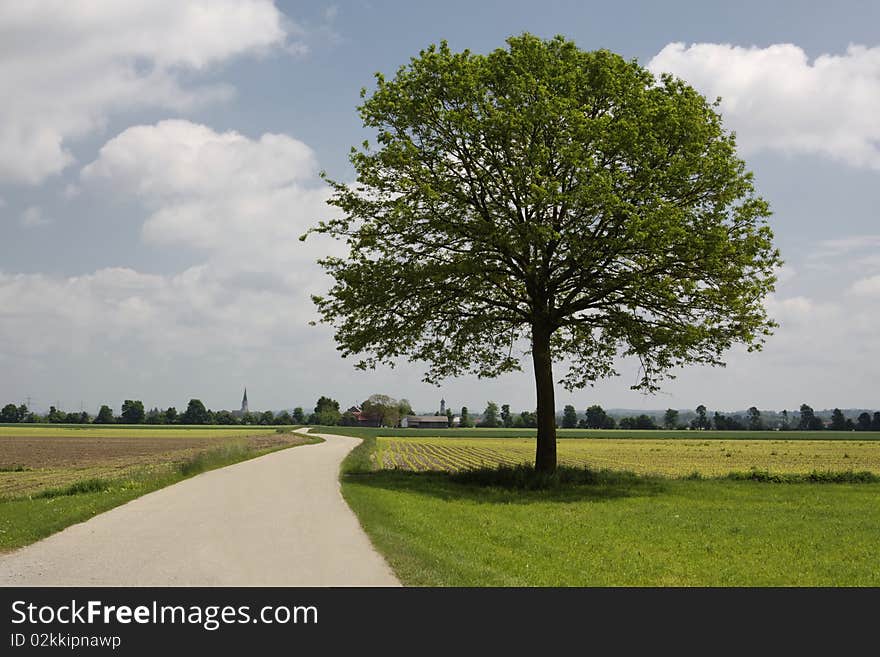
[(664, 457)]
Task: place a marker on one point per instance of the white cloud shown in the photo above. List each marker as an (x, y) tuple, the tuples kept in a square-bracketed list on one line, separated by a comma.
[(243, 202), (785, 274), (867, 287), (844, 245), (33, 217), (194, 313), (237, 198), (71, 191), (73, 64), (775, 98)]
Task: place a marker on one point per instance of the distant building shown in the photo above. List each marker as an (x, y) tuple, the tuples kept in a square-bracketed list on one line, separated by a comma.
[(424, 422), (442, 407), (244, 406), (363, 420)]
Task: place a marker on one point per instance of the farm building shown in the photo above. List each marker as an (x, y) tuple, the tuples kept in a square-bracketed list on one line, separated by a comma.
[(424, 422), (363, 420)]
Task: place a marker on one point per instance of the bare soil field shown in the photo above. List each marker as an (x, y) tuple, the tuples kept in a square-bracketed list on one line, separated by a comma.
[(30, 463)]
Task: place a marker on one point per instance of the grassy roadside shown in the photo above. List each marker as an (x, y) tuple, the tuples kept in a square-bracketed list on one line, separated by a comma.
[(26, 519), (615, 528)]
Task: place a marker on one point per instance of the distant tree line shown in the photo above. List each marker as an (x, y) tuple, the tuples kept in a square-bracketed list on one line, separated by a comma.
[(382, 410), (753, 420), (133, 412)]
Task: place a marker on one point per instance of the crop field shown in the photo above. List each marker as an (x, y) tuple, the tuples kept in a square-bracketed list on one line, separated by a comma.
[(36, 458), (605, 434), (668, 457), (52, 477)]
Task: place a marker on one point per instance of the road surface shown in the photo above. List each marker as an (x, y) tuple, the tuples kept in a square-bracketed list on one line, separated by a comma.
[(276, 520)]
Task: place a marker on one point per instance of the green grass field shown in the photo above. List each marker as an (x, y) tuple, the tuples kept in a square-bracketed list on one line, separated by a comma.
[(53, 477), (615, 528)]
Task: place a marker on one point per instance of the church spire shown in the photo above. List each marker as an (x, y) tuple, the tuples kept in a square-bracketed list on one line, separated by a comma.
[(244, 402)]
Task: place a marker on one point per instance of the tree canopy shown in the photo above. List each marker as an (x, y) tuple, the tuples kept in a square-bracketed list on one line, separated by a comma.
[(546, 200)]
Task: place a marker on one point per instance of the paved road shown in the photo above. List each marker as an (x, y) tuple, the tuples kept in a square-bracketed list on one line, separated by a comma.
[(277, 520)]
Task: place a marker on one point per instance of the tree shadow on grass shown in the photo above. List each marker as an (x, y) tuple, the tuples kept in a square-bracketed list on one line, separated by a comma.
[(515, 485)]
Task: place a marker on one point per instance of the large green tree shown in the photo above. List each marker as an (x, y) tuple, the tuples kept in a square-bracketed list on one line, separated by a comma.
[(490, 416), (576, 208), (195, 413), (326, 412), (383, 410), (132, 411), (10, 414), (569, 417), (104, 416)]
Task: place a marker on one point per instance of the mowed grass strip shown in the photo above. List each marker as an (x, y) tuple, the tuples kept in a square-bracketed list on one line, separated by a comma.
[(612, 528), (66, 484), (673, 458), (620, 531)]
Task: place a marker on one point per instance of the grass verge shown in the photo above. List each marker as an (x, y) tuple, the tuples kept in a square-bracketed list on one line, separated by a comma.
[(507, 527), (26, 519)]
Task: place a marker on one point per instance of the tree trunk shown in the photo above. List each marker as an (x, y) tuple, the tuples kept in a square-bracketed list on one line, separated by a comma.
[(545, 452)]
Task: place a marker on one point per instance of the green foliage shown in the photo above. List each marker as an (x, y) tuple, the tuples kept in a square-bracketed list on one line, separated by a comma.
[(755, 421), (526, 419), (640, 422), (10, 414), (95, 485), (670, 418), (465, 419), (133, 411), (104, 416), (383, 411), (723, 423), (569, 417), (490, 416), (809, 421), (195, 413), (838, 421), (360, 460), (544, 185), (506, 418), (326, 412), (225, 418), (570, 203), (55, 416), (814, 477), (597, 418), (701, 421)]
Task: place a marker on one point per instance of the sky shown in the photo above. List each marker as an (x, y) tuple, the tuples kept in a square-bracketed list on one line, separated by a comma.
[(159, 160)]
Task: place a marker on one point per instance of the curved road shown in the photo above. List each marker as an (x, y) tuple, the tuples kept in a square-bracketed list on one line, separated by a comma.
[(276, 520)]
